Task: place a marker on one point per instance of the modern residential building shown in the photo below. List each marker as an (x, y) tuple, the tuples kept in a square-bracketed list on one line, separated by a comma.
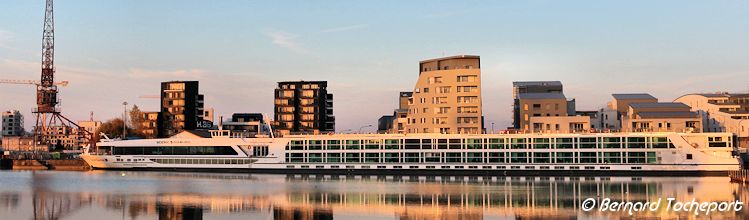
[(661, 117), (447, 97), (64, 138), (399, 118), (521, 87), (150, 124), (553, 104), (560, 124), (91, 127), (303, 107), (181, 100), (722, 112), (400, 115), (607, 119), (610, 117), (246, 124), (385, 124), (621, 101), (208, 115), (12, 124)]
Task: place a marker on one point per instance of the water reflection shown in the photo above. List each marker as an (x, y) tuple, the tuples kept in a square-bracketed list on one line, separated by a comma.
[(157, 195)]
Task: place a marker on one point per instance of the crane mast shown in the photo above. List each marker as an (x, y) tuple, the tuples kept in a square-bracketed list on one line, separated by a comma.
[(49, 120)]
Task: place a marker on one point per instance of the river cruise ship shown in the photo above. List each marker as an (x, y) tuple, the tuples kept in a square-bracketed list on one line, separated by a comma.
[(429, 154)]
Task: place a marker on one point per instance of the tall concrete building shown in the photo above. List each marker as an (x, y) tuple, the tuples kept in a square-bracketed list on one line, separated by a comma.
[(181, 100), (540, 87), (12, 123), (303, 107), (447, 97), (722, 112)]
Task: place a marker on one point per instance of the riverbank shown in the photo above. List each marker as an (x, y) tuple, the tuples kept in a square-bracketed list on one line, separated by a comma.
[(28, 164)]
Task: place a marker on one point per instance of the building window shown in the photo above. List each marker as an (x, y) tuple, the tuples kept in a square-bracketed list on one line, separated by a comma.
[(467, 78)]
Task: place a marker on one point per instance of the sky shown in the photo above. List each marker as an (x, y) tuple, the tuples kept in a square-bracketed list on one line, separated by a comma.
[(117, 50)]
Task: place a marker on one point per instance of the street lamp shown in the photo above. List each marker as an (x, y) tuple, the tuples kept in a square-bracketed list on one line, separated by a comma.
[(124, 120), (365, 126)]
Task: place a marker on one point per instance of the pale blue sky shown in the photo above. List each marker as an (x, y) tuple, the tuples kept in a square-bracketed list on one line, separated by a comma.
[(113, 51)]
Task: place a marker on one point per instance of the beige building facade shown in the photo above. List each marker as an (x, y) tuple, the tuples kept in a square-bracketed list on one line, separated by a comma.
[(447, 97), (540, 105), (560, 124), (661, 117)]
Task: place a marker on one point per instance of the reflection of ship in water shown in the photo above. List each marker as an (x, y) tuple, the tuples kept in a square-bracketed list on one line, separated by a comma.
[(329, 197), (177, 212)]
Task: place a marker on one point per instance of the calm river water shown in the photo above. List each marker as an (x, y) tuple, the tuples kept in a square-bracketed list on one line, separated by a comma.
[(161, 195)]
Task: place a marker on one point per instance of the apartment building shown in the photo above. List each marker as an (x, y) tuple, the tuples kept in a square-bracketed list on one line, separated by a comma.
[(12, 123), (540, 105), (722, 112), (396, 123), (447, 97), (181, 100), (661, 117), (521, 87), (303, 107)]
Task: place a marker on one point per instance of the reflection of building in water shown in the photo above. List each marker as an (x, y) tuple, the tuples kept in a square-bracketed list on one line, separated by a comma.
[(9, 201), (178, 212), (281, 213), (409, 198)]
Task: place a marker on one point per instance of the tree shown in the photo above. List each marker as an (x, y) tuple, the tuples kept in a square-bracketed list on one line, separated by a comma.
[(113, 128), (136, 122)]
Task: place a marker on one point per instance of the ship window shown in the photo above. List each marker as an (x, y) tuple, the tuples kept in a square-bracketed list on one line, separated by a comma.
[(176, 150), (391, 158), (518, 157), (612, 157), (473, 144), (333, 157), (517, 143), (636, 157), (689, 156), (496, 143), (352, 144), (587, 157), (453, 157), (496, 157), (391, 144), (541, 157)]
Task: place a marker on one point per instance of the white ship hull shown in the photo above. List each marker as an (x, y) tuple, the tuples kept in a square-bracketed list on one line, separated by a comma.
[(684, 154)]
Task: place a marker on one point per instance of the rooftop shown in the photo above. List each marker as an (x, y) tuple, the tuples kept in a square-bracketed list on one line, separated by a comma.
[(622, 96), (537, 83), (683, 114), (549, 95), (659, 105), (451, 57)]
